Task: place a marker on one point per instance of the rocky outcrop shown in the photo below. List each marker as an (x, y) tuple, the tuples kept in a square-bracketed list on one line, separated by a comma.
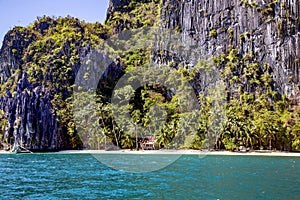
[(31, 121), (122, 6), (267, 29), (38, 66), (131, 14), (12, 51), (34, 119)]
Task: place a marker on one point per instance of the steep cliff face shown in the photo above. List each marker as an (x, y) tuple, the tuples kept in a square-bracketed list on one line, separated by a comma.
[(31, 122), (11, 53), (38, 65), (268, 31), (131, 14)]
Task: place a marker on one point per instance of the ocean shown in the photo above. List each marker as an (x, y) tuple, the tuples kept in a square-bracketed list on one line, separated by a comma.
[(82, 176)]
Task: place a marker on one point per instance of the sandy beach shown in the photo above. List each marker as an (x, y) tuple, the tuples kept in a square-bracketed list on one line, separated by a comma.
[(4, 152), (189, 152), (177, 152)]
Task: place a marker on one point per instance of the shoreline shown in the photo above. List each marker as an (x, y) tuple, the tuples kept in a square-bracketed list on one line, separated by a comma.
[(174, 152), (184, 152)]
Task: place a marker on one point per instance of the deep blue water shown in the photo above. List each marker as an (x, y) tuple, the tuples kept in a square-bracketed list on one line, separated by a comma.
[(81, 176)]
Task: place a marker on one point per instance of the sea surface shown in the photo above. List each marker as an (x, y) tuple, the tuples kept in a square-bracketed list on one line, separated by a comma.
[(81, 176)]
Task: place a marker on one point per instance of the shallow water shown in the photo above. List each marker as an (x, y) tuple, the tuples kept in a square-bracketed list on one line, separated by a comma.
[(81, 176)]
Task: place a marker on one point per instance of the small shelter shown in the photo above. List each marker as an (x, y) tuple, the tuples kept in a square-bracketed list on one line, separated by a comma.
[(148, 143)]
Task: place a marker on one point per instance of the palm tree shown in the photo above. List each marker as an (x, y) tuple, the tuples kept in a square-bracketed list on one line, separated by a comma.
[(136, 115), (127, 141)]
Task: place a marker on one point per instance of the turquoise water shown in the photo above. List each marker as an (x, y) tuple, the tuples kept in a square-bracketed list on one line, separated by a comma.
[(81, 176)]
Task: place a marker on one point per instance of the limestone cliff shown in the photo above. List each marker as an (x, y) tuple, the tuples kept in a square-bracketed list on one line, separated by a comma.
[(268, 30), (38, 64)]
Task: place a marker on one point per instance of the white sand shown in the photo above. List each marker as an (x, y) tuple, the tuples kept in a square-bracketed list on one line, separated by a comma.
[(4, 152), (187, 152), (177, 152)]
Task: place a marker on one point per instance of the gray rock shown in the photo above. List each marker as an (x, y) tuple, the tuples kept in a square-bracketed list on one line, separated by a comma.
[(273, 38)]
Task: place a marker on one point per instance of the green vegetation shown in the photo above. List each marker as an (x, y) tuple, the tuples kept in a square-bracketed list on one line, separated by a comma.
[(266, 10), (247, 34), (14, 51), (230, 31), (137, 14), (50, 58), (3, 123), (213, 33), (242, 37), (178, 29), (257, 116)]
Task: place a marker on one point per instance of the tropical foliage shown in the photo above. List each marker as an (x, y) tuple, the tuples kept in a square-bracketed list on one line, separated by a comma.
[(257, 116)]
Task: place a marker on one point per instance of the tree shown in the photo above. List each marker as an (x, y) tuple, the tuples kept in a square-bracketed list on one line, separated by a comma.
[(136, 118), (3, 123)]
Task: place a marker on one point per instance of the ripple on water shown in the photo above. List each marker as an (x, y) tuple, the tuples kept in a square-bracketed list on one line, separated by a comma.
[(76, 176)]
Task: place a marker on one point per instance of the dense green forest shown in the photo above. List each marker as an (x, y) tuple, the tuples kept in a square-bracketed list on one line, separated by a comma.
[(257, 116)]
